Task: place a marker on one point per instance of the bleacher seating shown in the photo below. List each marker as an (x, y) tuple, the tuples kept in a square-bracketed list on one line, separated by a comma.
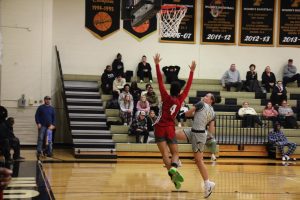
[(231, 102)]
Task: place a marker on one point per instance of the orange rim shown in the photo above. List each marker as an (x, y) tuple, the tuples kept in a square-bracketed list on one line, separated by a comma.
[(169, 8)]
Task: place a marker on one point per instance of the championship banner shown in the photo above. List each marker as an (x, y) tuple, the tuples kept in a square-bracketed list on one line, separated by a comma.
[(218, 22), (289, 18), (140, 32), (257, 22), (177, 23), (102, 17)]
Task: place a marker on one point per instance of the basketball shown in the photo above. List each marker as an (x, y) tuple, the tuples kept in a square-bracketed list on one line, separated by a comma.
[(102, 21), (142, 28)]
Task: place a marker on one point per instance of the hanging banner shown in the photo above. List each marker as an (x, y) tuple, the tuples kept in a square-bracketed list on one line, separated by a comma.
[(218, 22), (289, 28), (175, 28), (102, 17), (140, 32), (257, 22)]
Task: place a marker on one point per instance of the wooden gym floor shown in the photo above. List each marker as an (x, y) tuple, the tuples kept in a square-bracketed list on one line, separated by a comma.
[(139, 179)]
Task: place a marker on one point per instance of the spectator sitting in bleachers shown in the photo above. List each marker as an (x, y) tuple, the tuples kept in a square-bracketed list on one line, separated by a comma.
[(107, 79), (286, 116), (268, 79), (135, 91), (251, 83), (126, 91), (3, 113), (290, 73), (144, 92), (270, 113), (143, 105), (4, 141), (181, 114), (152, 99), (118, 66), (144, 70), (151, 119), (126, 110), (119, 83), (171, 73), (276, 137), (14, 142), (278, 94), (212, 145), (139, 127), (232, 78), (249, 116), (114, 102)]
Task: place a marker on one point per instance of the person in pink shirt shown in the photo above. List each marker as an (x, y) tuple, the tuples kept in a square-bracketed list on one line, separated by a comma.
[(270, 113), (142, 105)]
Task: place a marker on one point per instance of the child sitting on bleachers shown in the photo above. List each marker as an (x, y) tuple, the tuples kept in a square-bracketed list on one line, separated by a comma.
[(276, 137)]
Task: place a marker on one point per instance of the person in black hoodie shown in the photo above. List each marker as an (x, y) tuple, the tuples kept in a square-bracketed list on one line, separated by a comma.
[(4, 132), (107, 79), (135, 91), (118, 66), (144, 70), (171, 73)]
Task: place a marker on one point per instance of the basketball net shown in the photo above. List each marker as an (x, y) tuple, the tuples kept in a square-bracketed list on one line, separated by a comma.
[(170, 18)]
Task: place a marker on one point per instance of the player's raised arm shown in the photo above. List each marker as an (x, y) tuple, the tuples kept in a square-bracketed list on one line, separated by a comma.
[(162, 88), (189, 82), (190, 112)]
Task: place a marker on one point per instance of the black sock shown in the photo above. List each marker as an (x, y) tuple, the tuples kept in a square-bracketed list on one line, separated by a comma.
[(170, 175), (174, 165)]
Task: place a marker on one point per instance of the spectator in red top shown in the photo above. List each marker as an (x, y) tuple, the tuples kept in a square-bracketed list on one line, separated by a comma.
[(270, 113), (165, 124)]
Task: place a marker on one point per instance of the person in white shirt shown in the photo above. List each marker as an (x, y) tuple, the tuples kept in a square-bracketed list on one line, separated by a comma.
[(119, 83), (249, 116)]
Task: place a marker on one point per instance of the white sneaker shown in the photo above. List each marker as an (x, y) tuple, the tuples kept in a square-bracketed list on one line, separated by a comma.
[(283, 158), (213, 157), (208, 189), (125, 124), (141, 81), (150, 81), (179, 164), (287, 157)]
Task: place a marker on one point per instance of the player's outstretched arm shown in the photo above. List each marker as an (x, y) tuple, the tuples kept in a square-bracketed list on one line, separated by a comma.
[(189, 82), (162, 88), (190, 112)]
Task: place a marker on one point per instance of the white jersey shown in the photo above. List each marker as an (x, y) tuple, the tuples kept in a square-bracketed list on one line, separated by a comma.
[(204, 114)]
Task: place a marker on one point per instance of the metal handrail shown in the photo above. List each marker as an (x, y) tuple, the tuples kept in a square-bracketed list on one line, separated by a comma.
[(63, 92), (231, 129)]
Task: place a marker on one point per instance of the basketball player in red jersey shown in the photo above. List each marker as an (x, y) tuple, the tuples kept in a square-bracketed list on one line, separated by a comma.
[(165, 136)]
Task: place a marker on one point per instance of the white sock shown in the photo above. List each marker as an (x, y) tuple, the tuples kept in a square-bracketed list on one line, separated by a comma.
[(206, 182)]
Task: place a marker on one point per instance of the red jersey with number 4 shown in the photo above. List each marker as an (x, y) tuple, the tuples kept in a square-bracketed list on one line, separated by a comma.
[(170, 106)]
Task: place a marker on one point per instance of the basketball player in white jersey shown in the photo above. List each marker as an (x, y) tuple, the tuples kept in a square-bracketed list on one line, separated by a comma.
[(204, 120)]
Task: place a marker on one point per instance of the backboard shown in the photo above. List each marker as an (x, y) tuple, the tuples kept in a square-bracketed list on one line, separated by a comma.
[(139, 11)]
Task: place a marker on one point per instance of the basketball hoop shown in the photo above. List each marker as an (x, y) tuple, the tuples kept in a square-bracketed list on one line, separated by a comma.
[(170, 19)]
